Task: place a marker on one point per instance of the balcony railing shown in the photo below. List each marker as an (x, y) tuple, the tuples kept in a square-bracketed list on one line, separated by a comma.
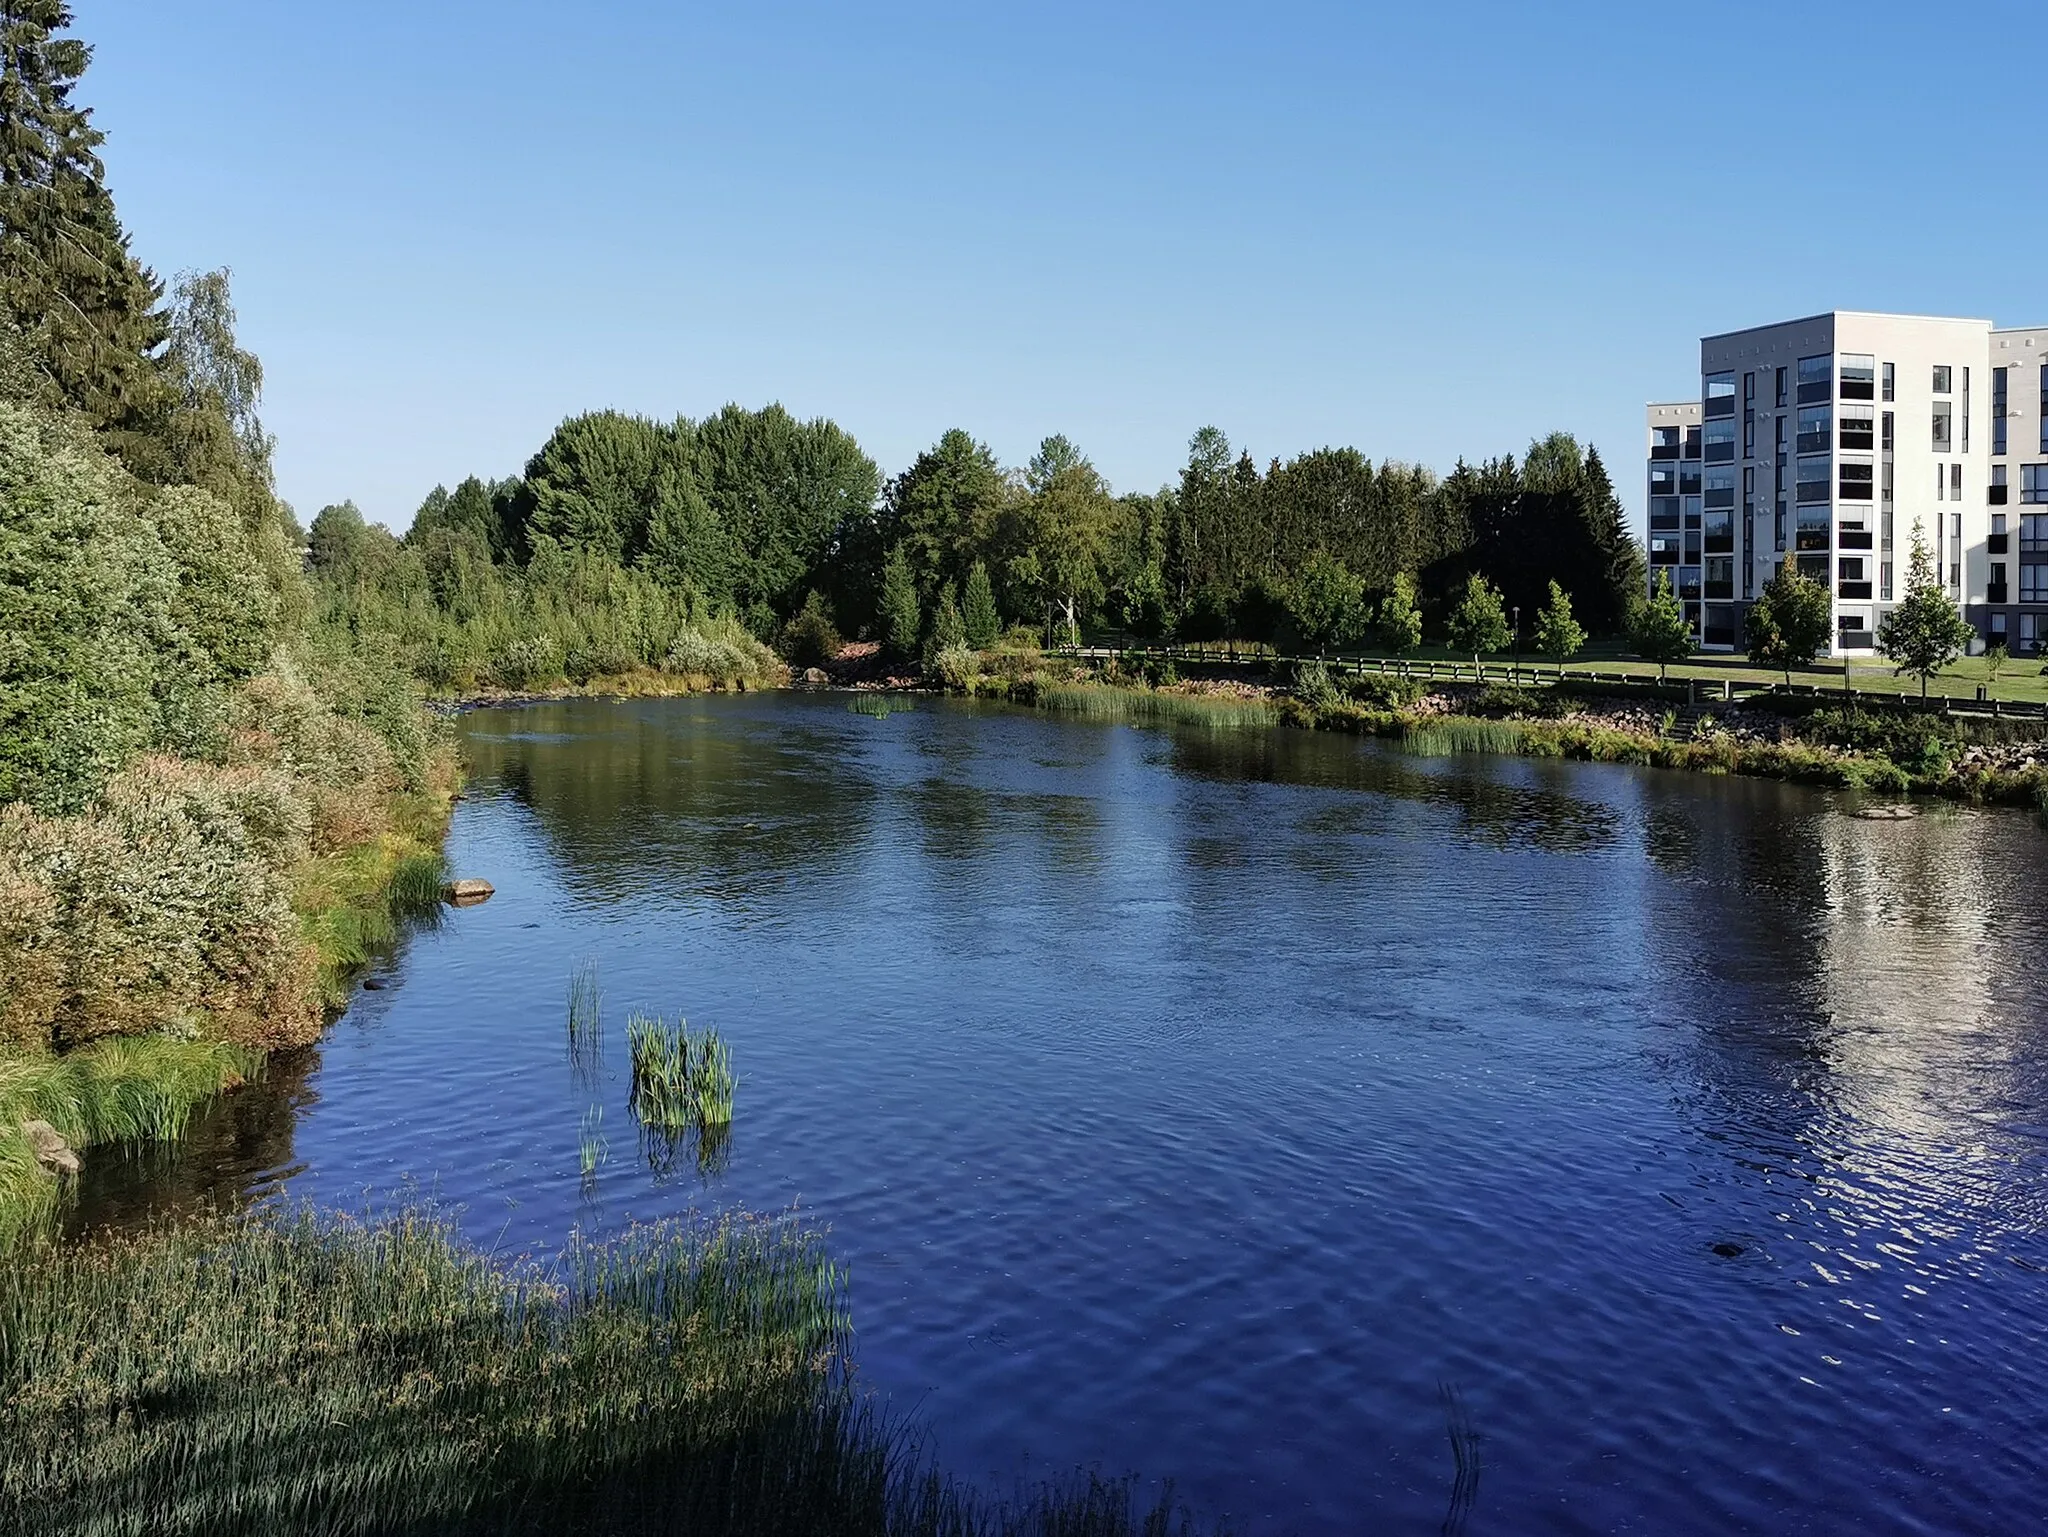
[(1855, 538), (1995, 592), (1856, 590), (1996, 543)]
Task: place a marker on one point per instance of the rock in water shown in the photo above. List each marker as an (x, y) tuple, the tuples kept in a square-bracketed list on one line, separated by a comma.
[(816, 677), (467, 893), (1892, 813), (51, 1150)]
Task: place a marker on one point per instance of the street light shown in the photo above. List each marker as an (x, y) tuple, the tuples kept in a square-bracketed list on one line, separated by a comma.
[(1515, 665)]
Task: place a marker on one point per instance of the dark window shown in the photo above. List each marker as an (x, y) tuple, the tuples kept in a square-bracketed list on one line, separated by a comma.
[(2033, 582), (1781, 387), (1778, 530), (2034, 482), (1887, 381), (1720, 442), (1965, 445), (1999, 488), (1944, 417), (2044, 408), (1859, 376), (1858, 431), (1719, 398), (1692, 443), (1816, 379), (1663, 480), (1663, 442), (1856, 483), (1663, 512), (1720, 489), (1887, 438), (1998, 410), (1689, 479), (1941, 379)]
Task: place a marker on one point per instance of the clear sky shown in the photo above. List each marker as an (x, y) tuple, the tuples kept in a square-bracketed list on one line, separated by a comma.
[(1425, 229)]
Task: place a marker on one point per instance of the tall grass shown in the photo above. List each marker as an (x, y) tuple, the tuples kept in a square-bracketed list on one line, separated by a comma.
[(416, 887), (117, 1090), (1445, 735), (1095, 702), (586, 1015), (592, 1149), (286, 1372), (681, 1077)]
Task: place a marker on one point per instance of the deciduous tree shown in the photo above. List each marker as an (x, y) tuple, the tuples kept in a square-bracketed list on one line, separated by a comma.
[(1925, 632)]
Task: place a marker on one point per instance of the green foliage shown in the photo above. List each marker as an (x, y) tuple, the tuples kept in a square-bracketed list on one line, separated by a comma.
[(949, 629), (1312, 686), (978, 611), (811, 639), (682, 1078), (1791, 622), (1659, 631), (1327, 603), (1995, 658), (1094, 702), (943, 511), (1558, 634), (1478, 623), (956, 669), (1398, 625), (900, 616), (1925, 632), (1379, 691), (416, 888), (85, 308)]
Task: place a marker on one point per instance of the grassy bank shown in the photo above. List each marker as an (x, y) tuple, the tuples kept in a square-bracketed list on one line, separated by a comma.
[(286, 1372), (1886, 748)]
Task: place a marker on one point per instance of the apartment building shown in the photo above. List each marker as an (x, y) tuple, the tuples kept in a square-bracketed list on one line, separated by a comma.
[(1829, 441)]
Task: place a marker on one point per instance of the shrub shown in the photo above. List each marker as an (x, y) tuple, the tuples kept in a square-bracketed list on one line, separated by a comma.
[(1311, 685), (956, 668), (1382, 691), (810, 639), (1500, 701)]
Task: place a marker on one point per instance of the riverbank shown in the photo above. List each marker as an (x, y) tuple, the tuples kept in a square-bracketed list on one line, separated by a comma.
[(1880, 747)]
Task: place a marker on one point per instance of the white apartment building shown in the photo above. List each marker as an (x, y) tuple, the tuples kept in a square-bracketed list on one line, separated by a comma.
[(1828, 441)]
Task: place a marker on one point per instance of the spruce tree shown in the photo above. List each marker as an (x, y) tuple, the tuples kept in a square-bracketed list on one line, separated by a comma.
[(984, 622), (86, 307), (898, 608)]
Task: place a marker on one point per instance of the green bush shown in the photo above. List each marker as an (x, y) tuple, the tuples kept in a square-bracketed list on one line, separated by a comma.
[(1382, 691), (810, 639)]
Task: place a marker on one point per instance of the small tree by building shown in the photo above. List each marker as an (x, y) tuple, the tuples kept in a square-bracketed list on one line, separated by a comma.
[(978, 609), (1925, 632), (1790, 622), (1399, 624), (1995, 658), (1658, 630), (1558, 634), (1326, 603), (1478, 623)]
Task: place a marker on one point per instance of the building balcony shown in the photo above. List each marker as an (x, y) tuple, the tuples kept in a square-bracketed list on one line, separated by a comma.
[(1995, 592), (1854, 538), (1996, 543), (1858, 592)]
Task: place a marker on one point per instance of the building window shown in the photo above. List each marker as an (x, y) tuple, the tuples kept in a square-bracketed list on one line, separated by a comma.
[(1859, 376), (1663, 480), (1884, 572), (1994, 591), (1966, 411), (1940, 482), (2033, 583), (1749, 389), (1886, 480), (1858, 430), (1941, 383), (1998, 410), (1688, 479), (1664, 512), (1856, 483), (1943, 422), (1720, 442), (1748, 434), (2033, 532), (1720, 489), (1955, 483), (1999, 485), (1781, 389), (1816, 380), (1887, 432), (2030, 634), (1719, 399), (1814, 477), (1887, 383), (1955, 532), (2044, 408), (1692, 442), (2034, 482), (1663, 442), (1814, 427)]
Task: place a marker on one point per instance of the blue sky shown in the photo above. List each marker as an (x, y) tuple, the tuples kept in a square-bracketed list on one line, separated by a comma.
[(1423, 230)]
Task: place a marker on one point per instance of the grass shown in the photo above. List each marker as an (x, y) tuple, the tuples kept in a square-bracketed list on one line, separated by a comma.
[(1441, 736), (880, 706), (130, 1089), (414, 891), (288, 1372), (586, 1007), (1104, 703), (592, 1149), (682, 1078)]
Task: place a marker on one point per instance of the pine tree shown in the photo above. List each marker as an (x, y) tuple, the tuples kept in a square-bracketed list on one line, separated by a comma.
[(86, 307), (1558, 634), (900, 616), (984, 623), (949, 630), (1925, 632)]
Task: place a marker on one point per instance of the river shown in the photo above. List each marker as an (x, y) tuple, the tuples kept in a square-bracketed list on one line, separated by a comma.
[(1265, 1110)]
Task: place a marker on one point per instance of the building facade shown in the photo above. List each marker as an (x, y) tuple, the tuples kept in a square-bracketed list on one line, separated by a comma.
[(1831, 441)]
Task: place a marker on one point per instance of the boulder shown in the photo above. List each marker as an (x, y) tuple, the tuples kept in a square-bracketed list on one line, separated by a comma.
[(51, 1150), (816, 677), (1886, 813), (467, 893)]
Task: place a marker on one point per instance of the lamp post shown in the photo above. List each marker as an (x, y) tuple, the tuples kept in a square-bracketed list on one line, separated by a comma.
[(1515, 665)]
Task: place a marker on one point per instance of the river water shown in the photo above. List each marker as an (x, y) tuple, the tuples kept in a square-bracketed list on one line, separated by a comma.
[(1266, 1111)]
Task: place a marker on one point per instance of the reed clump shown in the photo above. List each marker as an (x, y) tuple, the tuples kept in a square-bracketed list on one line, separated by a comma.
[(682, 1078), (1098, 702)]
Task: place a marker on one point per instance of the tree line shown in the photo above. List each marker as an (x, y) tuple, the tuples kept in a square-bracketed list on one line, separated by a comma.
[(779, 522)]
